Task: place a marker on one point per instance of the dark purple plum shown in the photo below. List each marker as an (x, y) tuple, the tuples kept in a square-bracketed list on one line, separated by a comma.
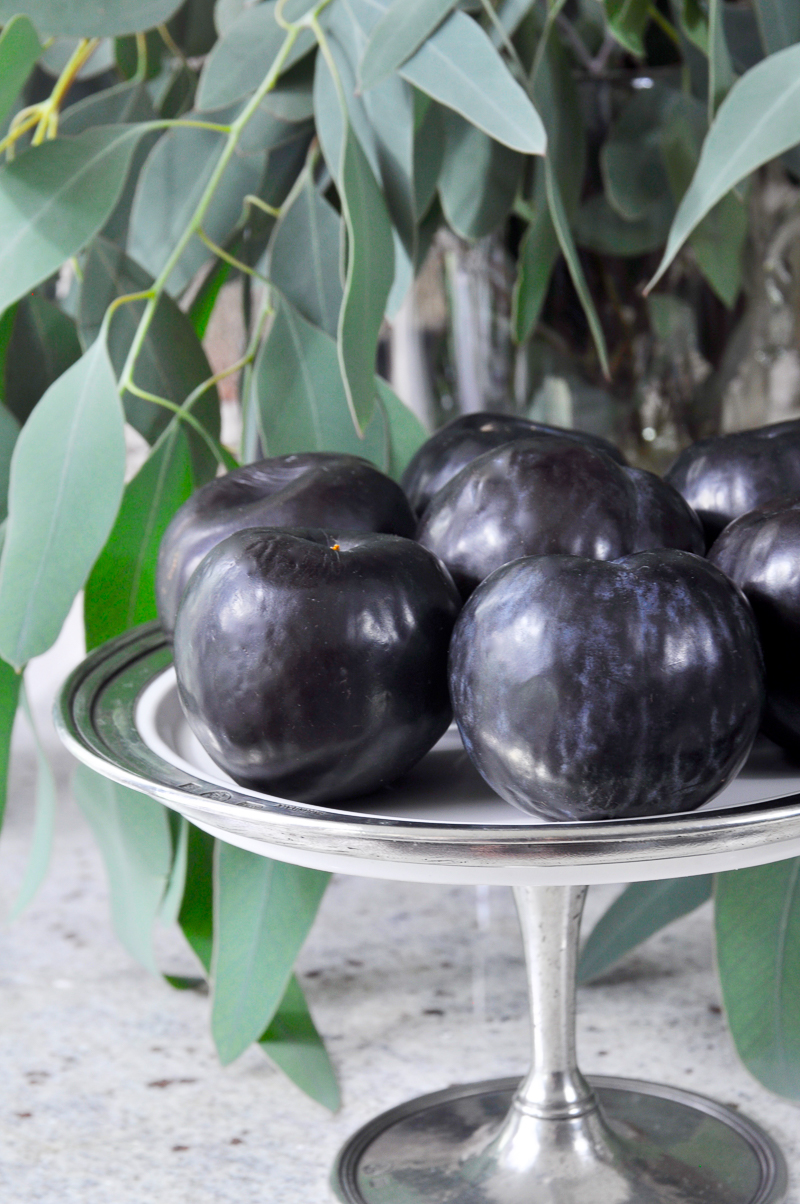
[(760, 551), (319, 489), (465, 438), (314, 666), (543, 496), (726, 476), (586, 689)]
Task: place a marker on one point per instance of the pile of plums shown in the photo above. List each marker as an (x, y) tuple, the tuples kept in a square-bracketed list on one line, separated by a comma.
[(608, 641)]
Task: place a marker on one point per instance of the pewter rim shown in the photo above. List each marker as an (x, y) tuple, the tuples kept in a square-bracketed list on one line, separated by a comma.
[(95, 718), (771, 1163)]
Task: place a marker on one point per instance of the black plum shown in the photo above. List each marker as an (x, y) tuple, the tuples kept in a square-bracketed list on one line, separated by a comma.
[(469, 436), (726, 476), (760, 551), (545, 495), (314, 666), (324, 489), (586, 689)]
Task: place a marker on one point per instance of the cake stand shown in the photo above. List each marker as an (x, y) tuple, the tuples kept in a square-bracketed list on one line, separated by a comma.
[(556, 1137)]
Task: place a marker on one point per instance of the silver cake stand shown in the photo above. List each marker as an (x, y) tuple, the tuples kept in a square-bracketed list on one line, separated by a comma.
[(556, 1137)]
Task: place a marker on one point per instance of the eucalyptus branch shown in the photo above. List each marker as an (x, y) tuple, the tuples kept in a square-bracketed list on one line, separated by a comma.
[(221, 253), (141, 58), (257, 202), (195, 222), (182, 412)]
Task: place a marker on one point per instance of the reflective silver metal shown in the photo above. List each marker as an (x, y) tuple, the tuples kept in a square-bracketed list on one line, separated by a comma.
[(95, 716), (555, 1138)]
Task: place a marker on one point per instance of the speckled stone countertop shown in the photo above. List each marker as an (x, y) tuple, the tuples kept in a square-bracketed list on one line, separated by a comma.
[(111, 1091)]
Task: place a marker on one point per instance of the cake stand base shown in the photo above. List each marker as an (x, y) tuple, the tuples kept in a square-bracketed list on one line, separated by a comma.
[(654, 1145)]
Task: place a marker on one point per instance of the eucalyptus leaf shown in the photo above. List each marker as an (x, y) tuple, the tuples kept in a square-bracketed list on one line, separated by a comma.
[(53, 200), (559, 104), (538, 253), (133, 833), (171, 362), (370, 272), (720, 71), (43, 823), (174, 891), (120, 592), (304, 257), (478, 180), (642, 909), (429, 145), (399, 33), (10, 682), (778, 23), (382, 120), (459, 67), (406, 434), (627, 20), (718, 241), (634, 175), (66, 484), (244, 55), (169, 189), (564, 234), (302, 405), (292, 1042), (600, 228), (196, 915), (43, 344), (9, 431), (88, 19), (694, 23), (758, 120), (757, 918), (119, 105), (263, 910), (19, 50)]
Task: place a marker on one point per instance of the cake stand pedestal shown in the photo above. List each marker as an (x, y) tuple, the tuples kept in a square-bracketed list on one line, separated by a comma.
[(556, 1137)]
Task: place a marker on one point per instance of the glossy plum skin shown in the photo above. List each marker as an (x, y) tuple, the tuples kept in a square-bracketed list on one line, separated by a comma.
[(469, 436), (726, 476), (760, 551), (591, 690), (325, 489), (543, 496), (315, 671)]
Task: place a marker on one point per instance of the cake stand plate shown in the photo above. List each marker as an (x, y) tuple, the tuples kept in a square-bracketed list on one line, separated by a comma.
[(554, 1138)]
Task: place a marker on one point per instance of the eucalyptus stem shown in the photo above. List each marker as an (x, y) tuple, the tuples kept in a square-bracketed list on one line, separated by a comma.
[(184, 413), (221, 253), (267, 84), (48, 118)]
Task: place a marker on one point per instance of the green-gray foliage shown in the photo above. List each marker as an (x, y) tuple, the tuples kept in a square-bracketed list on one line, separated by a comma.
[(315, 163)]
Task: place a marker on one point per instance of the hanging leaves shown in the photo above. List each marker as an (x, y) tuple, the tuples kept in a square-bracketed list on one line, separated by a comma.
[(133, 833), (120, 592), (757, 121), (370, 272), (42, 225), (757, 917), (263, 911), (66, 483)]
